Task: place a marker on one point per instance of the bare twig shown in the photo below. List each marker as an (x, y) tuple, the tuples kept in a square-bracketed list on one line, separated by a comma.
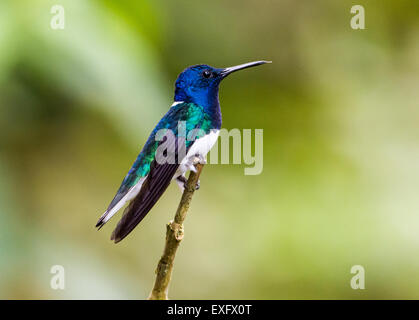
[(174, 235)]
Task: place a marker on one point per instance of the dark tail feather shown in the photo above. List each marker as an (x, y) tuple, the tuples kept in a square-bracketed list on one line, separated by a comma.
[(154, 186), (100, 224)]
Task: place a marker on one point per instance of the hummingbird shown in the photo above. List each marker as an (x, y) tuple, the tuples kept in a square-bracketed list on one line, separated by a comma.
[(196, 106)]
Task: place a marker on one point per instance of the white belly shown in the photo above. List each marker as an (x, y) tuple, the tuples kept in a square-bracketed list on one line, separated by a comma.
[(201, 146)]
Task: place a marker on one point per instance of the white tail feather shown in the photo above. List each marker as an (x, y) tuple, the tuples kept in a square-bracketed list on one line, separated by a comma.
[(132, 193)]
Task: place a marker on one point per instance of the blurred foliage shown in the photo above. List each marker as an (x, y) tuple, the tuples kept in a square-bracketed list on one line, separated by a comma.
[(339, 109)]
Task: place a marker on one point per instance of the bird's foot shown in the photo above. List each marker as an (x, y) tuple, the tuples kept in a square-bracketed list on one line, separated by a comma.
[(181, 181), (199, 159)]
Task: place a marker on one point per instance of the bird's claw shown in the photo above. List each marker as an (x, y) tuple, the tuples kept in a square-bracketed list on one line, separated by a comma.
[(199, 159), (182, 183)]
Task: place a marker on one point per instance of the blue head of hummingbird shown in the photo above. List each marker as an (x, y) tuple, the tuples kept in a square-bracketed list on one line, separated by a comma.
[(196, 105)]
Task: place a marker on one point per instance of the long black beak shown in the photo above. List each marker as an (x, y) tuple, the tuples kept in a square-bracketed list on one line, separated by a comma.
[(225, 72)]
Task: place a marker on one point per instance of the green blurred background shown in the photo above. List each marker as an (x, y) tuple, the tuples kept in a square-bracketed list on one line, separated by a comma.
[(339, 109)]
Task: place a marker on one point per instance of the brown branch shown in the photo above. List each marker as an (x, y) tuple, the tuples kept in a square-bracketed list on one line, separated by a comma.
[(174, 235)]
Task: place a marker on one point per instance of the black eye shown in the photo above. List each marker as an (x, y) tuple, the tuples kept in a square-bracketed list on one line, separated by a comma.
[(206, 74)]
